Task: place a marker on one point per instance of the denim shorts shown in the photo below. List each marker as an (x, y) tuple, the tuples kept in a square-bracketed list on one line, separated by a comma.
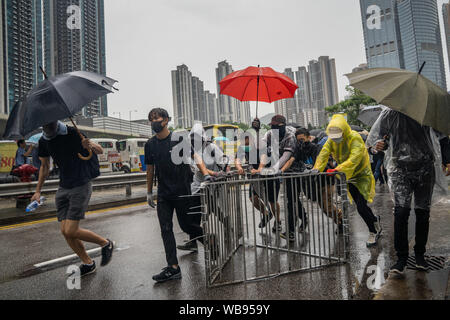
[(71, 204)]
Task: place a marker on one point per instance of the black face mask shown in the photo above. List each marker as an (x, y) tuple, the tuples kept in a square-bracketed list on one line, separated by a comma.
[(157, 126), (281, 131), (50, 130)]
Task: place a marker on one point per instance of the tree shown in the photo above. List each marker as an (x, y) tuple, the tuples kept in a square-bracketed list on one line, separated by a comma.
[(352, 106)]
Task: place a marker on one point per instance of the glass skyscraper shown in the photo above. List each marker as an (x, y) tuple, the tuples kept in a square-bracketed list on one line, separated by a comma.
[(446, 13), (76, 48), (421, 38), (409, 35), (36, 33), (383, 46), (21, 49)]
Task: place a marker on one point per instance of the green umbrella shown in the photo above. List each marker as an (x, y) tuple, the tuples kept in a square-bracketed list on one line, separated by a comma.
[(407, 92)]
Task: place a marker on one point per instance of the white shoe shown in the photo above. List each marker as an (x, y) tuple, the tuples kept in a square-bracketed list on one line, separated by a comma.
[(373, 240)]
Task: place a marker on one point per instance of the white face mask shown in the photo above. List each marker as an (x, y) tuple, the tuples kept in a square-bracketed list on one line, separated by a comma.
[(338, 141)]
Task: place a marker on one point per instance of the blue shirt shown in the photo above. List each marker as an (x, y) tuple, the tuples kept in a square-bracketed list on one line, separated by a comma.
[(20, 157)]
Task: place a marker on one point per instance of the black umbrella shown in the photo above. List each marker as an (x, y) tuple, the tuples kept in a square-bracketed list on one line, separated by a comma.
[(54, 99), (316, 132), (357, 128)]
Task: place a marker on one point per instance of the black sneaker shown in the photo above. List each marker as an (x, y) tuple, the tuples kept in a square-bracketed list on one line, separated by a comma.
[(277, 227), (107, 252), (421, 263), (86, 269), (265, 220), (189, 246), (398, 268), (291, 236), (167, 274)]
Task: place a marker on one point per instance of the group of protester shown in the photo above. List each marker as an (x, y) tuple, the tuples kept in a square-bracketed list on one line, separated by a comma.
[(411, 167)]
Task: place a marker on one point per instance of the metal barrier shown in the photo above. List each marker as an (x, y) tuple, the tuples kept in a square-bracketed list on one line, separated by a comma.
[(238, 250), (125, 180)]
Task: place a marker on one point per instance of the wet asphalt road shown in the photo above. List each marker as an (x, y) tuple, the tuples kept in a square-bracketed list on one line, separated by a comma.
[(141, 254)]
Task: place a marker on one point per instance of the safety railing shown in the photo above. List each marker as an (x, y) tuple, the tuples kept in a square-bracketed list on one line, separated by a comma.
[(125, 180), (240, 247)]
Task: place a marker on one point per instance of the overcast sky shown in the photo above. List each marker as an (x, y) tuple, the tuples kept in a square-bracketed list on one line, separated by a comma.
[(145, 40)]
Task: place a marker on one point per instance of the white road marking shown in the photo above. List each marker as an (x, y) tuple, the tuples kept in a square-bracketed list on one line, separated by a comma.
[(74, 256)]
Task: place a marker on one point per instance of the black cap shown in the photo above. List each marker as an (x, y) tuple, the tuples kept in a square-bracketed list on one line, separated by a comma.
[(278, 120)]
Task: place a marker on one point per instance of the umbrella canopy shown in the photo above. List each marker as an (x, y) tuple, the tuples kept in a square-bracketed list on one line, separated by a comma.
[(35, 139), (315, 132), (258, 84), (370, 114), (54, 99), (356, 128), (407, 92)]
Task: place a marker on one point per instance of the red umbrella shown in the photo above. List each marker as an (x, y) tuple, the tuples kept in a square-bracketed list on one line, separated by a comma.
[(258, 84)]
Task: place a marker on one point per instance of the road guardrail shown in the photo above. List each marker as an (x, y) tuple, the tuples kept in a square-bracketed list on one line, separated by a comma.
[(24, 188)]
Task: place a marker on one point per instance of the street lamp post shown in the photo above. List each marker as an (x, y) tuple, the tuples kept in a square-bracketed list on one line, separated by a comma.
[(131, 128)]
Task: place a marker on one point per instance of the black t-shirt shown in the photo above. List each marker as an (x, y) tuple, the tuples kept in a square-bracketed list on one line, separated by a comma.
[(174, 180), (305, 154), (64, 150)]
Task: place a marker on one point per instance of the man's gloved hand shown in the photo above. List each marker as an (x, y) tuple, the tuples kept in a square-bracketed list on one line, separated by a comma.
[(314, 171), (151, 198), (331, 171), (209, 178)]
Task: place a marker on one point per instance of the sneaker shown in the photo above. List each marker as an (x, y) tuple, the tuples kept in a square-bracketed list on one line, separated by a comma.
[(277, 227), (167, 274), (107, 252), (421, 263), (189, 246), (265, 220), (86, 269), (373, 240), (285, 237), (398, 268), (378, 226)]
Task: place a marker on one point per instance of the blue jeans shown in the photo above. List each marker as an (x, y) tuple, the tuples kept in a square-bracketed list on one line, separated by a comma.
[(377, 172)]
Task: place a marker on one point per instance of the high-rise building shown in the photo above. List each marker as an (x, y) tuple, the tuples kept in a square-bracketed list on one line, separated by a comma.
[(323, 86), (211, 111), (382, 42), (74, 39), (288, 107), (230, 109), (198, 100), (446, 13), (183, 105), (404, 34), (21, 49)]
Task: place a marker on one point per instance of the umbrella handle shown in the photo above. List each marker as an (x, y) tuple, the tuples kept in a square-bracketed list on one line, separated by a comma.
[(89, 157)]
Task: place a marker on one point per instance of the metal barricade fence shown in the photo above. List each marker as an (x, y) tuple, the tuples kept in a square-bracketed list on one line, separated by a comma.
[(240, 249)]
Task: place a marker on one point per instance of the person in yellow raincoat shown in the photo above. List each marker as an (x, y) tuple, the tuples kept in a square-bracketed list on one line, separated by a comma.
[(349, 151)]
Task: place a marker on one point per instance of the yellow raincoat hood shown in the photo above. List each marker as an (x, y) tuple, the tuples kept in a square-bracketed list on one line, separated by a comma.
[(352, 158)]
